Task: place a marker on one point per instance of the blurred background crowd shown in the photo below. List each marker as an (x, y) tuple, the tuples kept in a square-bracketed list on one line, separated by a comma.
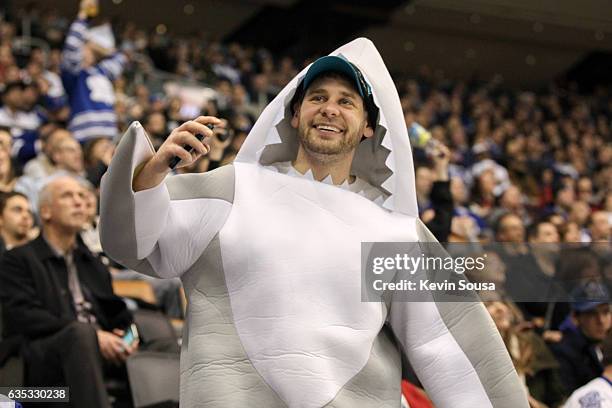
[(522, 165)]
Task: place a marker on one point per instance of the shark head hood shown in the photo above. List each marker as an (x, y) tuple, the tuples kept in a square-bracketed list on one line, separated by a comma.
[(384, 161)]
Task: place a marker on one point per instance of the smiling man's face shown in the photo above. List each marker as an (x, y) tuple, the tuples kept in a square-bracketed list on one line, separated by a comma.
[(331, 118)]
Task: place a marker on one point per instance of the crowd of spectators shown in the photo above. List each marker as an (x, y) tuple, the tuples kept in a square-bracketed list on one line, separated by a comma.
[(524, 165)]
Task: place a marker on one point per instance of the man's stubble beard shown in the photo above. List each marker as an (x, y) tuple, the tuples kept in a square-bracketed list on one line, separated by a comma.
[(326, 151)]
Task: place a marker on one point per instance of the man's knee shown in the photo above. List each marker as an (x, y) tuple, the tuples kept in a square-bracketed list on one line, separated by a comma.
[(75, 341), (80, 335)]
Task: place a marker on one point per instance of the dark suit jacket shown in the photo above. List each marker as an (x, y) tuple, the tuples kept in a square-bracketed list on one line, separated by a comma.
[(578, 359), (35, 295), (2, 247), (8, 346)]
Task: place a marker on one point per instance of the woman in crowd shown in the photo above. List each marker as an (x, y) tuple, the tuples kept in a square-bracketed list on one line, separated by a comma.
[(533, 361)]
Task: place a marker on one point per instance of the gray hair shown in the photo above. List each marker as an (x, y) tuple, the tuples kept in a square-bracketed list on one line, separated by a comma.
[(45, 194)]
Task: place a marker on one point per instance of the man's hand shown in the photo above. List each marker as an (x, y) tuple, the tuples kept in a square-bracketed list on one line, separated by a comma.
[(552, 336), (534, 403), (113, 348), (108, 150), (153, 172), (43, 85), (88, 8), (129, 348), (440, 155)]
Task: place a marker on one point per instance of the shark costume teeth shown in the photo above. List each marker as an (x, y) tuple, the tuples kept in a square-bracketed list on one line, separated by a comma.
[(265, 145), (328, 180), (271, 264)]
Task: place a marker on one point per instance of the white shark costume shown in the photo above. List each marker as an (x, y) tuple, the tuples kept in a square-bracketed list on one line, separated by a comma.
[(270, 261)]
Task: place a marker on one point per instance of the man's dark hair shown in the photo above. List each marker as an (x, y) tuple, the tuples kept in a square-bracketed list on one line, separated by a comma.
[(89, 148), (45, 133), (498, 224), (5, 197), (8, 87), (534, 229), (590, 219), (579, 264)]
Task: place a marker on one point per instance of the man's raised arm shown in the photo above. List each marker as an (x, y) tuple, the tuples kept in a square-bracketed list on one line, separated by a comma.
[(158, 225)]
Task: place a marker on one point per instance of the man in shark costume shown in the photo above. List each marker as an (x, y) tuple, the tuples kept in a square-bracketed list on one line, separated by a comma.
[(270, 261)]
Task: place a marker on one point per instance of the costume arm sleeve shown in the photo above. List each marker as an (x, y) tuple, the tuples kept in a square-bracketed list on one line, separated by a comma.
[(161, 231), (456, 351)]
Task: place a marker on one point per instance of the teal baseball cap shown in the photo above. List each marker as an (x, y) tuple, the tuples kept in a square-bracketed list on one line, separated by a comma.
[(338, 64)]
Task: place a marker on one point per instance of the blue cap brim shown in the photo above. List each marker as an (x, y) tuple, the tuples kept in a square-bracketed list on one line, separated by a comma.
[(586, 306)]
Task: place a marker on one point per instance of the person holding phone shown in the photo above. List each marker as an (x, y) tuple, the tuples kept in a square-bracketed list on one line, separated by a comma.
[(268, 250), (58, 297)]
